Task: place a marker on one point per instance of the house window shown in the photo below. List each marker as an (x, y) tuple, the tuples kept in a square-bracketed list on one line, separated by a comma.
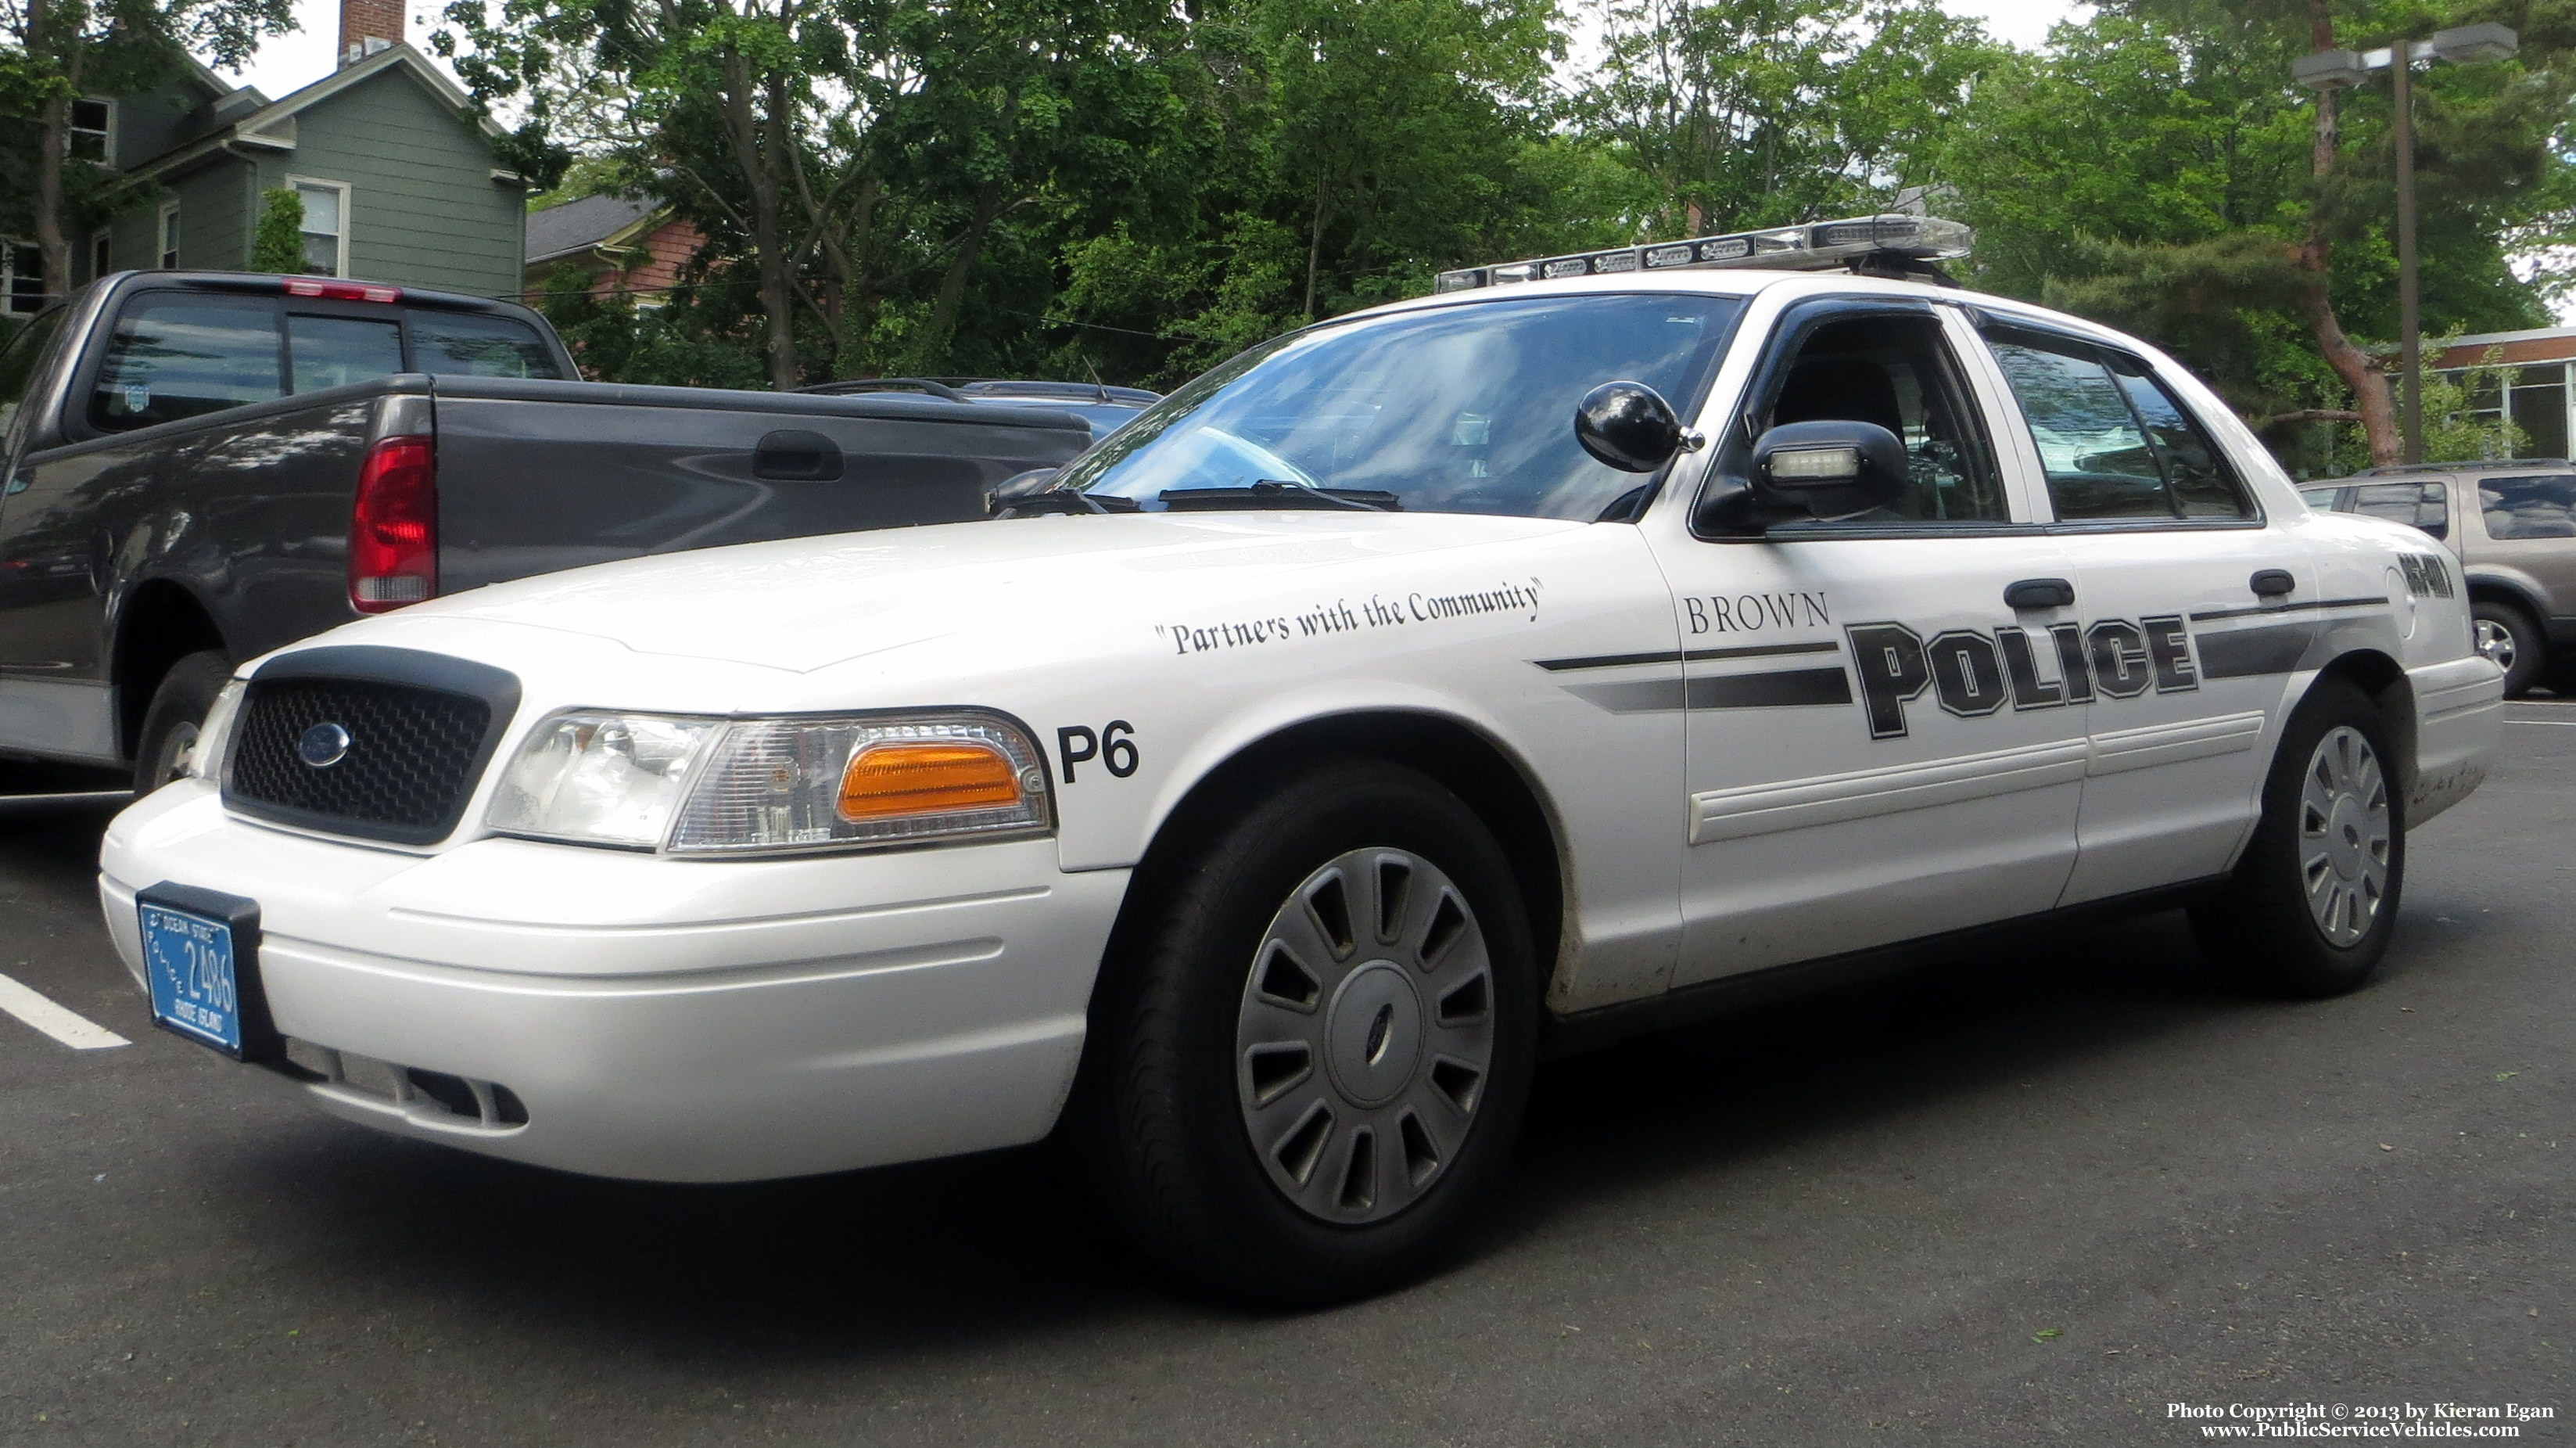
[(2535, 397), (326, 225), (102, 254), (169, 235), (22, 278), (93, 132)]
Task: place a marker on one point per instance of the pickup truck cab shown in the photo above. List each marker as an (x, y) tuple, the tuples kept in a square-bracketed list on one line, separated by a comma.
[(200, 467), (1502, 671)]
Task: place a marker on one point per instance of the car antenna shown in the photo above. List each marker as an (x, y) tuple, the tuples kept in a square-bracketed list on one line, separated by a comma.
[(1095, 375)]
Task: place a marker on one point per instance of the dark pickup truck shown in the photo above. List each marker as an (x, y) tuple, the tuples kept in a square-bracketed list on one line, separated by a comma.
[(203, 466)]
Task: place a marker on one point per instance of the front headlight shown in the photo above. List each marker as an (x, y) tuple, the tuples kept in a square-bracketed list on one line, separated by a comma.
[(206, 757), (767, 786)]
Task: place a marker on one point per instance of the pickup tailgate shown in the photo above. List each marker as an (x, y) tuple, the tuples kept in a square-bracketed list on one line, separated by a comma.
[(535, 476)]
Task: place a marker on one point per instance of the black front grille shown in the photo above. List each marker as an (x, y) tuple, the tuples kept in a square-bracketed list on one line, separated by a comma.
[(411, 758)]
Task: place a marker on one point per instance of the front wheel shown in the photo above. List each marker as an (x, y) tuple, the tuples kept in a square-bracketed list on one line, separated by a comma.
[(2310, 907), (1311, 1063)]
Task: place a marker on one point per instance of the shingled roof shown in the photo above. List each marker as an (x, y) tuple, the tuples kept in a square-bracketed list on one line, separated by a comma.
[(574, 226)]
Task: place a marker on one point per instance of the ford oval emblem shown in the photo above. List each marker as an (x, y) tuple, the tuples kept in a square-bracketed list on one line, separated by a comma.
[(323, 745)]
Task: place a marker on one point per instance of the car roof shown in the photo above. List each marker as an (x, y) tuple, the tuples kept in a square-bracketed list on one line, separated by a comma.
[(1750, 282)]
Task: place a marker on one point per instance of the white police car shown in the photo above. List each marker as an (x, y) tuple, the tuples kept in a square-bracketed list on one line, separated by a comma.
[(1407, 696)]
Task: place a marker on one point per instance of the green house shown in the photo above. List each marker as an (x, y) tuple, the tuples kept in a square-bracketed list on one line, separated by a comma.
[(397, 175)]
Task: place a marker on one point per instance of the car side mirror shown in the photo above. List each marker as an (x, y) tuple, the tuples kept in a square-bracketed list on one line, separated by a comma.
[(1629, 426), (1831, 468)]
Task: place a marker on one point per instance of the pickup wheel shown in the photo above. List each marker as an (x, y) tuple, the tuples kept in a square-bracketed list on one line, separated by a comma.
[(2508, 637), (1313, 1061), (2311, 905), (179, 709)]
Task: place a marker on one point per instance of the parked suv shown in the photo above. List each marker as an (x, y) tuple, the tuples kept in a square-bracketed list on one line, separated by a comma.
[(2513, 524)]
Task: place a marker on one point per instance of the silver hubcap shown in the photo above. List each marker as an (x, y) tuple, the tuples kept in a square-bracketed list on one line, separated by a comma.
[(177, 753), (2344, 835), (1366, 1035), (2496, 642)]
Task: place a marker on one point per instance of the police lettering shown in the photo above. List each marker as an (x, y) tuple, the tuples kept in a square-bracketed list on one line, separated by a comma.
[(1973, 673)]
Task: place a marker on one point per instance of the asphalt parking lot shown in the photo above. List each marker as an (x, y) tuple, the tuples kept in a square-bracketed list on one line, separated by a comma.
[(2037, 1197)]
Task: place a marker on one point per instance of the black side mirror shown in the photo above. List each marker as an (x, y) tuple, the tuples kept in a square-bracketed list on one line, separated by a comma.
[(1831, 468), (1629, 426)]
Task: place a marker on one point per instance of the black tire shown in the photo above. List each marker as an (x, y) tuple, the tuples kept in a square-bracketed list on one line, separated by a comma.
[(2263, 928), (2522, 650), (179, 709), (1165, 1116)]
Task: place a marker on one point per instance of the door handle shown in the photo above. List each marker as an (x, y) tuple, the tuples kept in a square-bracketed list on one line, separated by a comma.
[(2272, 583), (2039, 593)]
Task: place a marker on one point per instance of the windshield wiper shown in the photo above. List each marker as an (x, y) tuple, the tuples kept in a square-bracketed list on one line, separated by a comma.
[(1268, 493), (1066, 500)]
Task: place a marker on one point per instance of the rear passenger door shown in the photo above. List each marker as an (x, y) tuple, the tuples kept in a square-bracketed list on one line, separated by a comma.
[(2531, 524), (2194, 611)]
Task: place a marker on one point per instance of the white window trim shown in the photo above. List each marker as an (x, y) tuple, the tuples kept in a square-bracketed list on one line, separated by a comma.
[(340, 263), (108, 146), (163, 253)]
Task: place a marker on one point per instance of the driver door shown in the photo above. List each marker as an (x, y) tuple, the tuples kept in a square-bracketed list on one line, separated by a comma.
[(1878, 746)]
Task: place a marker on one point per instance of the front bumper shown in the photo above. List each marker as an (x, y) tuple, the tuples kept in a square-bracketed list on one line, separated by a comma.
[(659, 1019)]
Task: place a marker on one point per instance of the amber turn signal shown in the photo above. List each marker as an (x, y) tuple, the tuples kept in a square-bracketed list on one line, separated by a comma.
[(890, 779)]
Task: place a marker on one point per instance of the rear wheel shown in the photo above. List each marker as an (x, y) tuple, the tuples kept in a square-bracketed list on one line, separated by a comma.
[(178, 714), (2508, 637), (1313, 1062), (2311, 905)]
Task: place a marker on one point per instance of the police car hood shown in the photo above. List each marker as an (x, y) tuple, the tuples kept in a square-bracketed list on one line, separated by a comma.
[(803, 604)]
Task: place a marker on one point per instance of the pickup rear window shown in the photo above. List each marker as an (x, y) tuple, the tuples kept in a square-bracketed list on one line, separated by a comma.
[(181, 354)]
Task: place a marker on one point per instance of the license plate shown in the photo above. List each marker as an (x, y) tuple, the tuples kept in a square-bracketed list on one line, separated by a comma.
[(200, 958)]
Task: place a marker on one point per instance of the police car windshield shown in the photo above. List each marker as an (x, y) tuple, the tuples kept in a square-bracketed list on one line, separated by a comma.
[(1462, 409)]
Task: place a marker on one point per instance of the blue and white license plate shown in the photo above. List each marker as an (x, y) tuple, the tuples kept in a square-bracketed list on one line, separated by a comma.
[(195, 976)]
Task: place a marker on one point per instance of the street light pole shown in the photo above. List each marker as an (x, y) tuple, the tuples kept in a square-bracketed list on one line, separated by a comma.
[(2410, 292), (2334, 70)]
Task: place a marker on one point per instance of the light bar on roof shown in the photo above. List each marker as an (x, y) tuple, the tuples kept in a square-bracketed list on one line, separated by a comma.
[(1819, 246)]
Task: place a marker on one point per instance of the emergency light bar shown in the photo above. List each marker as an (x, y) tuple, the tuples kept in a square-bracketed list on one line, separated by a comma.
[(1817, 246)]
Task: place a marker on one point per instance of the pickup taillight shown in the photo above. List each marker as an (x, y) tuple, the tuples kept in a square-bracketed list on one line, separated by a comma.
[(393, 528)]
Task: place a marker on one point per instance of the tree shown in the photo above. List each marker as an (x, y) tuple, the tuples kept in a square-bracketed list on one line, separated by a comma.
[(278, 244), (61, 50), (1748, 113)]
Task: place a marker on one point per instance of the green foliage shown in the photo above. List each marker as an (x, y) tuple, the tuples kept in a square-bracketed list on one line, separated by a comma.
[(1133, 190), (278, 245)]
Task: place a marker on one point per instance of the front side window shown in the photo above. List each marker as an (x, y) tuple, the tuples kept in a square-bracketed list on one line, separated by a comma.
[(325, 225), (1896, 372), (177, 355), (478, 346), (2537, 507), (2113, 442), (18, 358), (1457, 409), (2417, 505)]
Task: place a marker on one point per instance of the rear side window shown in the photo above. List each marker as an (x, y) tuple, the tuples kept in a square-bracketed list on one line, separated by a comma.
[(2417, 505), (2113, 442), (179, 355), (2541, 507), (478, 346)]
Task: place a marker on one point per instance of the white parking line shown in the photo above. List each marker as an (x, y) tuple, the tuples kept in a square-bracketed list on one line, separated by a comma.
[(73, 1030)]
